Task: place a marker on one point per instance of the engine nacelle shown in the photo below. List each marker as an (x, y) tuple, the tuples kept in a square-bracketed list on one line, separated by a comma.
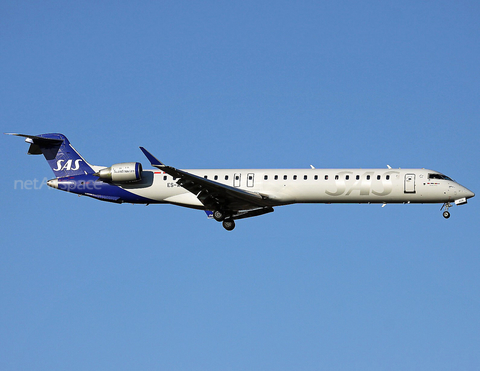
[(124, 172)]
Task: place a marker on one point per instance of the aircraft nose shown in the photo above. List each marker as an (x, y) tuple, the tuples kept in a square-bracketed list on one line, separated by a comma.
[(465, 192)]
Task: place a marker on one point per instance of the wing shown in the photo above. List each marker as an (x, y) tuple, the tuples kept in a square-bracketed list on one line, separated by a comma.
[(216, 196)]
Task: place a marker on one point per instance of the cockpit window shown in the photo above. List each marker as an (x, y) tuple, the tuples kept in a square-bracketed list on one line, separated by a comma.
[(438, 176)]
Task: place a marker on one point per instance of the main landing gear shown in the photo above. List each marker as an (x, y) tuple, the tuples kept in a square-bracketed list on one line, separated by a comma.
[(218, 215), (227, 222), (446, 213)]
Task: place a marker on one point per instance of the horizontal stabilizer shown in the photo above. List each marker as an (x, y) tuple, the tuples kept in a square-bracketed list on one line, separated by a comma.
[(36, 142), (37, 139)]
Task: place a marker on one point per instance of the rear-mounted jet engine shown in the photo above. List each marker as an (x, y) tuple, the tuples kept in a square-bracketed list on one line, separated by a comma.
[(122, 173)]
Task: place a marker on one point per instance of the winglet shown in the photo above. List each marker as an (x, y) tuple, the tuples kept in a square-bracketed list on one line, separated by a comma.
[(153, 160)]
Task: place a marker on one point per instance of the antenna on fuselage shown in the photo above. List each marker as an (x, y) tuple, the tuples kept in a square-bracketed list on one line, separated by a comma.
[(389, 166)]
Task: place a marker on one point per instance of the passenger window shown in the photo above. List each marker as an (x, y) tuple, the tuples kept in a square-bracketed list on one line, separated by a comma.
[(347, 177), (294, 177), (276, 177), (357, 177), (368, 177), (305, 177), (265, 177), (215, 177), (388, 177), (205, 176), (316, 177), (284, 177), (164, 177), (336, 177), (226, 177), (378, 177), (326, 177)]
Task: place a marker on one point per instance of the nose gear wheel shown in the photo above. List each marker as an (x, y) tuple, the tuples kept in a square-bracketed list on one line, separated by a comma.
[(446, 213)]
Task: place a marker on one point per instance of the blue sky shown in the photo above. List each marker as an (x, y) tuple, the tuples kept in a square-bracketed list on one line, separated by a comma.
[(251, 84)]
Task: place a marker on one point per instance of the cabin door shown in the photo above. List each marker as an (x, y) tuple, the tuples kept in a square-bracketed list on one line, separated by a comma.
[(409, 183)]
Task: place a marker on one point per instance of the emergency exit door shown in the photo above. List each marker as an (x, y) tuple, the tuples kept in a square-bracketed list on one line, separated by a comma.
[(250, 179), (237, 180)]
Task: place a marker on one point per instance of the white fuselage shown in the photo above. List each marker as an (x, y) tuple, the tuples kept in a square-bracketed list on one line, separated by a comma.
[(287, 186), (230, 194)]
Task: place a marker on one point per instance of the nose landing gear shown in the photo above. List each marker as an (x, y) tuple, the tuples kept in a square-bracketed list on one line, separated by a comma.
[(446, 213)]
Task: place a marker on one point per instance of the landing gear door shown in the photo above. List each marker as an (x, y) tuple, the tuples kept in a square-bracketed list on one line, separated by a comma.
[(237, 179), (409, 183)]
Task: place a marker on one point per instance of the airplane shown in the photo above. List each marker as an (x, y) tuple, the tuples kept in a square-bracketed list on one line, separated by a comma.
[(227, 195)]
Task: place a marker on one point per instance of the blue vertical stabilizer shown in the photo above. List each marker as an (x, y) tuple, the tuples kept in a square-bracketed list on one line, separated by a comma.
[(61, 156)]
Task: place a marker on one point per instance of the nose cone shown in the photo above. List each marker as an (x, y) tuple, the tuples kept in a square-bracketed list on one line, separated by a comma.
[(53, 183), (469, 194)]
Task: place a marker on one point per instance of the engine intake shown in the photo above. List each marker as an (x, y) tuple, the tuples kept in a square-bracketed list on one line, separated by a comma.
[(124, 172)]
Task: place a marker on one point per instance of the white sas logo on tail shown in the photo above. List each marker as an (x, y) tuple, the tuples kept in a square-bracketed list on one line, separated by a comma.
[(68, 165)]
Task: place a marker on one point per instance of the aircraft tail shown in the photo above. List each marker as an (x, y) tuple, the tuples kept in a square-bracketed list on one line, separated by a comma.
[(59, 153)]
